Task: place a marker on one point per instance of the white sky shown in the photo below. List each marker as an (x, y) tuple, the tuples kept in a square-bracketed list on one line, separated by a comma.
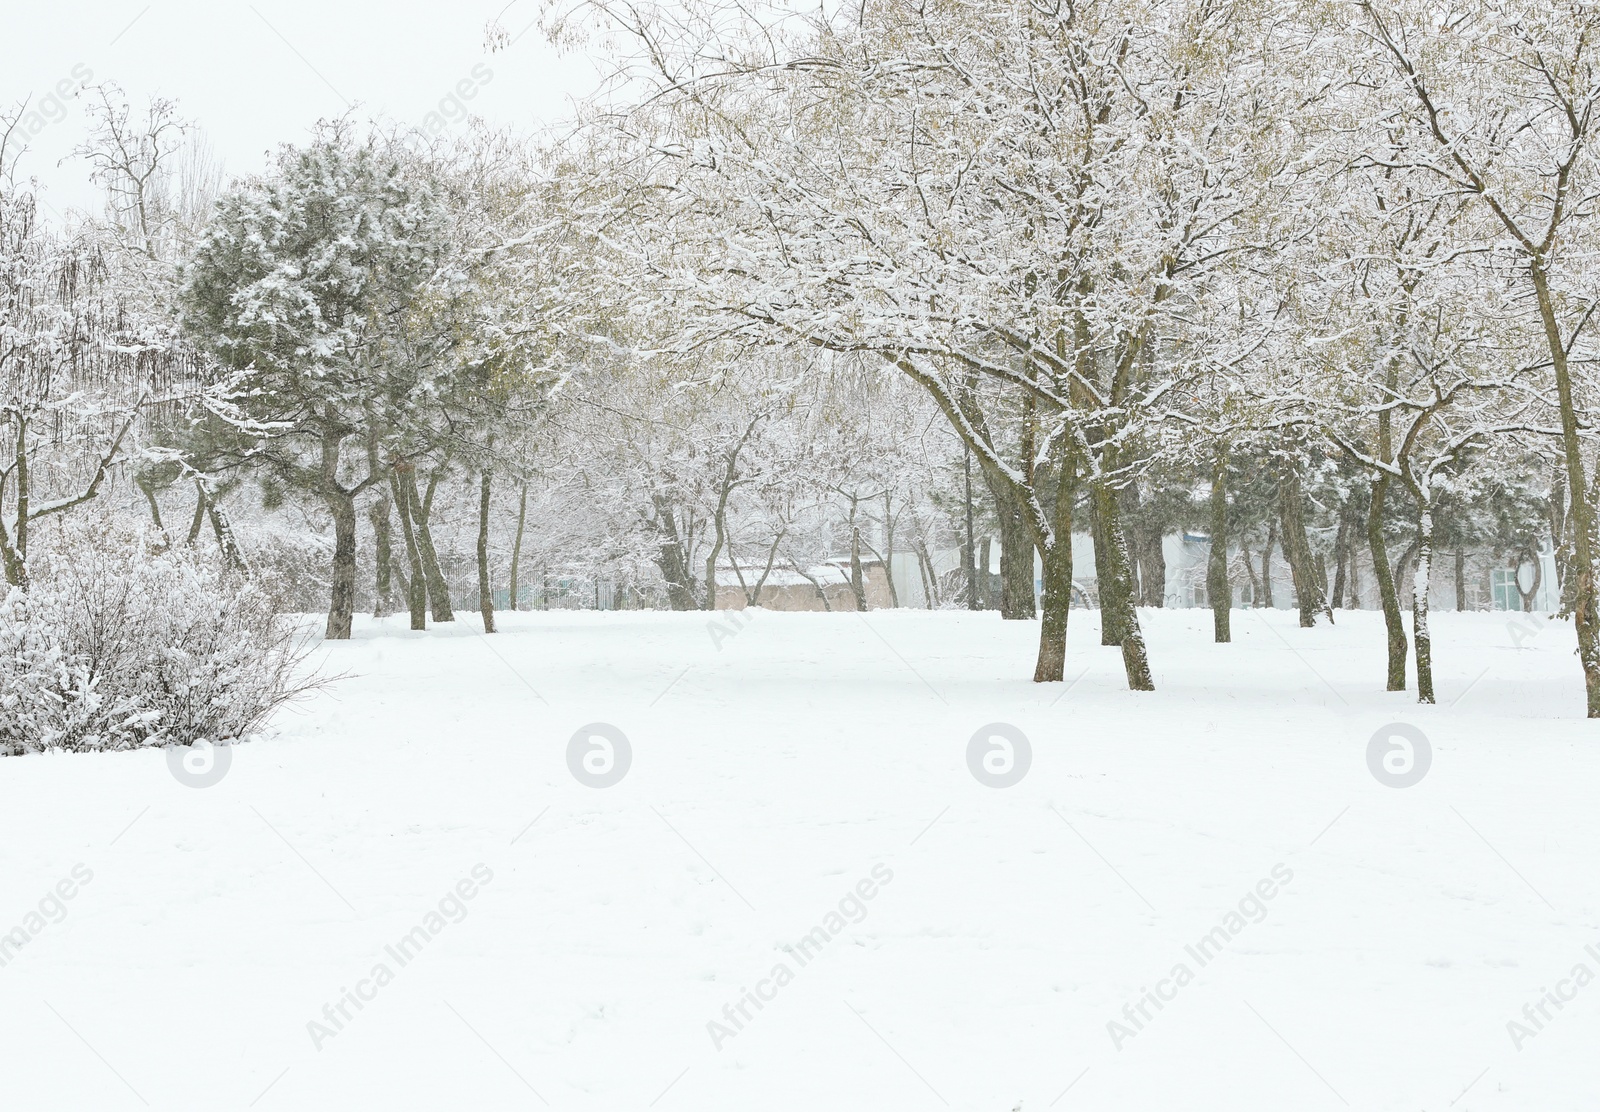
[(260, 73)]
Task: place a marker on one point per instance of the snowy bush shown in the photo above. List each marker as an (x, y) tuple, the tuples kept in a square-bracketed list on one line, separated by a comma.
[(294, 562), (116, 645)]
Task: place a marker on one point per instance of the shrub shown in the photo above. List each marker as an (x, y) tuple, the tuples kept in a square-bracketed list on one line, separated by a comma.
[(115, 645)]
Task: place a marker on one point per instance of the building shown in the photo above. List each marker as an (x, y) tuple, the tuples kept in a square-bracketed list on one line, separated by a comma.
[(824, 586)]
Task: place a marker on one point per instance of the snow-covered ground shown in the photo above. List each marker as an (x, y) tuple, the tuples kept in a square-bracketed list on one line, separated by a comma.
[(799, 822)]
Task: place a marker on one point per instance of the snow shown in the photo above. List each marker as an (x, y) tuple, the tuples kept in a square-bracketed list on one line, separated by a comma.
[(770, 776)]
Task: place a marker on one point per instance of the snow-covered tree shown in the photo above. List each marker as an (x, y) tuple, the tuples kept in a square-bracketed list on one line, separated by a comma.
[(1017, 208), (1495, 105), (81, 357), (309, 283)]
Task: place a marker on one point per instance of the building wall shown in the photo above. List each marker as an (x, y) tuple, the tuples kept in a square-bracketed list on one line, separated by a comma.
[(803, 596)]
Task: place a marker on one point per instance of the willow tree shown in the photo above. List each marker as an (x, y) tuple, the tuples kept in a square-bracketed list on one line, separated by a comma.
[(79, 365)]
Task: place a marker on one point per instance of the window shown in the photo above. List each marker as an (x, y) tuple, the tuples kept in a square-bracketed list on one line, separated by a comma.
[(1503, 588)]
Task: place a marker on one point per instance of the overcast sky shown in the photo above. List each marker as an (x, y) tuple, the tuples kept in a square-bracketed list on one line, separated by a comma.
[(255, 75)]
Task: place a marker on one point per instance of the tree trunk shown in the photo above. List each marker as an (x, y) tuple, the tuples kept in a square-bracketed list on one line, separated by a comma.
[(1586, 616), (858, 586), (438, 590), (1016, 555), (1153, 569), (416, 588), (721, 533), (1355, 573), (822, 595), (383, 545), (342, 604), (671, 558), (1111, 628), (1340, 555), (1558, 527), (1116, 594), (1344, 552), (1056, 601), (1296, 546), (1419, 607), (1392, 622), (16, 548), (985, 577), (1133, 535), (1530, 596), (1219, 592), (1149, 562), (16, 567), (1461, 580), (402, 582), (1017, 601), (485, 590), (1404, 580), (752, 592), (1265, 598), (141, 481), (199, 518), (516, 549), (968, 553), (888, 553), (222, 528), (930, 577)]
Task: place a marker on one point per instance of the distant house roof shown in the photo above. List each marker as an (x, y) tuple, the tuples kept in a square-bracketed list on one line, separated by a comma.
[(835, 570)]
